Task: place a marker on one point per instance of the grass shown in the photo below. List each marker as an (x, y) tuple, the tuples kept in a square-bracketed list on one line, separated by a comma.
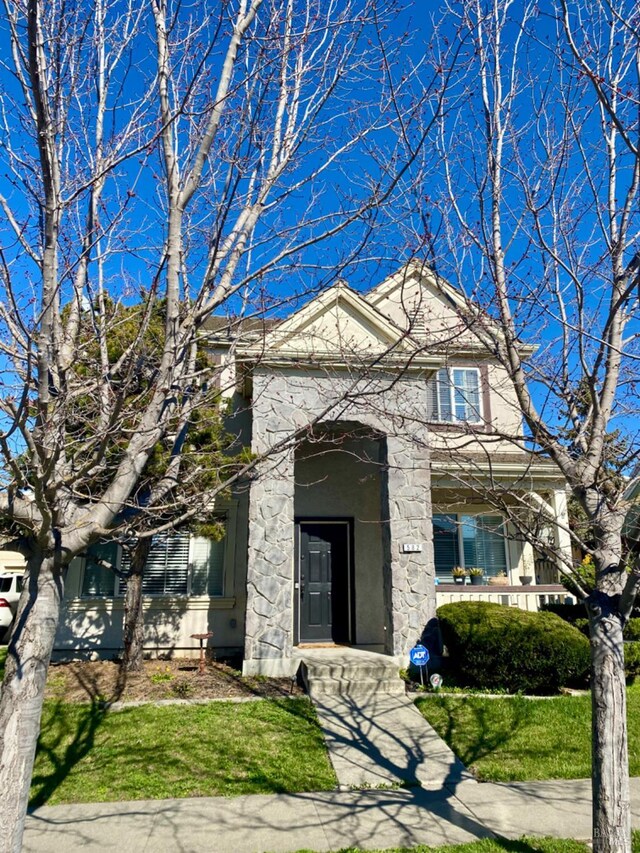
[(3, 657), (86, 754), (518, 739), (500, 845)]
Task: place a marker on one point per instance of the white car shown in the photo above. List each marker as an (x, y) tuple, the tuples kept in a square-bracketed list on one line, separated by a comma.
[(10, 589)]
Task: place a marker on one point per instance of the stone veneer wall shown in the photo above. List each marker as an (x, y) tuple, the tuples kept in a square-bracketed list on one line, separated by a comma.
[(410, 578), (284, 401)]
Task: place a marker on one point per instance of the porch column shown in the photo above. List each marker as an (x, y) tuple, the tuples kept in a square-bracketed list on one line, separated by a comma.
[(410, 596), (561, 530), (269, 614)]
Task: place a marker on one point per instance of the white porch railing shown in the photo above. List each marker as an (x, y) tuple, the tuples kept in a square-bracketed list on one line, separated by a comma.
[(524, 597)]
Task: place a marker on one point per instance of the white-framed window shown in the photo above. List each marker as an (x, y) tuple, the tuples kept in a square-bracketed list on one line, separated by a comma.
[(469, 541), (454, 395), (178, 565)]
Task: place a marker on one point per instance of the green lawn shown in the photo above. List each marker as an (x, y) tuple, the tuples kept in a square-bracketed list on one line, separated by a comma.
[(518, 739), (498, 845), (88, 755)]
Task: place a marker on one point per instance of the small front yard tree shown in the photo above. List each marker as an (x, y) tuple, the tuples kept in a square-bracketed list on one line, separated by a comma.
[(174, 160), (533, 212)]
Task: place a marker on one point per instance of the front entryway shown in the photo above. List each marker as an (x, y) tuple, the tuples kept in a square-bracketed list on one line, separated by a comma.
[(323, 581)]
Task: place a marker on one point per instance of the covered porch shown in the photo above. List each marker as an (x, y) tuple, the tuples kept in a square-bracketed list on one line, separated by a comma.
[(481, 549), (340, 549)]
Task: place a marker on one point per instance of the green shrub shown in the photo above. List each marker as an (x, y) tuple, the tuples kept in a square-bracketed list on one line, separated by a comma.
[(491, 646), (582, 625), (569, 612), (632, 630), (585, 574), (632, 658)]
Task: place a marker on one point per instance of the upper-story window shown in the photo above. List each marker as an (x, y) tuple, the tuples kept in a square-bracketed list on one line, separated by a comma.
[(455, 395)]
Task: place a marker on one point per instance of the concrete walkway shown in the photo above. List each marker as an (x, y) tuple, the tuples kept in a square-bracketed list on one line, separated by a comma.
[(382, 740), (373, 819)]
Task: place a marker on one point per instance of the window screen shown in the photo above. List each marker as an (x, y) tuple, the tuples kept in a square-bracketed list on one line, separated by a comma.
[(484, 543), (445, 543)]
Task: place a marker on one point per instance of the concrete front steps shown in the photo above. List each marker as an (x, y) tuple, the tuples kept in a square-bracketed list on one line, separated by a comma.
[(374, 733), (349, 672)]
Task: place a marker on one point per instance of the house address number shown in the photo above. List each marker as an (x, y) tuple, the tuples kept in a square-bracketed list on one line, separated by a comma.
[(411, 548)]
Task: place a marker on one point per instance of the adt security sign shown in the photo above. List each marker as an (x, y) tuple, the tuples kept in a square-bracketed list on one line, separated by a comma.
[(419, 655)]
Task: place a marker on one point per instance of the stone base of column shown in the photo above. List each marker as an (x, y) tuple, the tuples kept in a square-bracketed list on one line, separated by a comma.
[(271, 667)]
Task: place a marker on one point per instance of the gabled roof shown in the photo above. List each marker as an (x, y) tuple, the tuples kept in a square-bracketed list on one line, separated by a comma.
[(414, 317), (415, 270), (341, 326), (435, 299)]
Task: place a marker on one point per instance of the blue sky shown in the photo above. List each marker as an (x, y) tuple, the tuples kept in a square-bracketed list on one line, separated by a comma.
[(387, 235)]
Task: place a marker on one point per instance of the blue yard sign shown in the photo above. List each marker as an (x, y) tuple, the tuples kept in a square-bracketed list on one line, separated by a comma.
[(419, 655)]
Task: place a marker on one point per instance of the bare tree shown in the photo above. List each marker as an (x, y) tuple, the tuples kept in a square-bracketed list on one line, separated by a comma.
[(534, 215), (178, 159)]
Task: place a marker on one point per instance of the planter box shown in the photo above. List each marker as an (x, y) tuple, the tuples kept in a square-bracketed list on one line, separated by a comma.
[(477, 580), (499, 581)]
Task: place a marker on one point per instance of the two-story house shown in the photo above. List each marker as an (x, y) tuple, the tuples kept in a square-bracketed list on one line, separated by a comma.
[(380, 422)]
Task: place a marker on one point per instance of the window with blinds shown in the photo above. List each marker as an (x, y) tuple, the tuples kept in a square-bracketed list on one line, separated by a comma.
[(453, 395), (166, 571), (98, 579), (469, 541), (445, 543), (207, 566), (178, 564)]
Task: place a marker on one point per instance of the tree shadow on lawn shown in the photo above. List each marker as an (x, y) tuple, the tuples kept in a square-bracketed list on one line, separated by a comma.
[(54, 731), (68, 735), (477, 729)]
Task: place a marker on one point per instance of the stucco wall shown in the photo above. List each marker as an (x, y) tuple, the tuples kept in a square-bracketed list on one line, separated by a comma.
[(413, 304), (95, 624), (11, 561)]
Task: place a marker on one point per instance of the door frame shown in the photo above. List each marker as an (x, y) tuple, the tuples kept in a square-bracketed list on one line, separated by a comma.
[(336, 521)]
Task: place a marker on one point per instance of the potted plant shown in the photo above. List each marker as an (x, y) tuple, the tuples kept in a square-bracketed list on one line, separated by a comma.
[(476, 575), (500, 579), (459, 574), (525, 580)]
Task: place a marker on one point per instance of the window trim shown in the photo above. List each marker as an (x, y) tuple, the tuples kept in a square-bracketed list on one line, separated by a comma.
[(452, 401)]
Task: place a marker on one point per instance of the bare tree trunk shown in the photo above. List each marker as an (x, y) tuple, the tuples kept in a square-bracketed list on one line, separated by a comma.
[(610, 773), (23, 691), (133, 615)]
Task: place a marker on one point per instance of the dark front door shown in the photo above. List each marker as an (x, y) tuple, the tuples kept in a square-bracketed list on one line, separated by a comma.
[(323, 582)]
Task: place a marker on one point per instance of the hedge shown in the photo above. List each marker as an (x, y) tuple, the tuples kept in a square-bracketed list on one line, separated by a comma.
[(569, 612), (576, 614), (491, 646), (632, 658)]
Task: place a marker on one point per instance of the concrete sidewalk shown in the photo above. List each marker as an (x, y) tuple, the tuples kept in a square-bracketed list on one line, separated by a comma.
[(372, 819)]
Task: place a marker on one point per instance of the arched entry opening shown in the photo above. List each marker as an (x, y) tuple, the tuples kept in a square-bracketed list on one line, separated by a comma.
[(339, 543)]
